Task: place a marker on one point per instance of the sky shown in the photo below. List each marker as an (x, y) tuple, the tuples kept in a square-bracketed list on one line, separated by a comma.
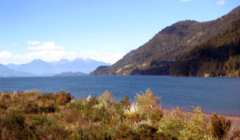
[(103, 30)]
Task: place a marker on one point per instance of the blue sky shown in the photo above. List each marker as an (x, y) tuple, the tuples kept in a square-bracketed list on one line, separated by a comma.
[(103, 30)]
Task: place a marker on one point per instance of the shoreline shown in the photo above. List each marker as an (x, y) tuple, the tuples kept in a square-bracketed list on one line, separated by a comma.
[(191, 112), (235, 120)]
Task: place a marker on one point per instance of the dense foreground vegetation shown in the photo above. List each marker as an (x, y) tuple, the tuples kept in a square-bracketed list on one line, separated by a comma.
[(32, 115)]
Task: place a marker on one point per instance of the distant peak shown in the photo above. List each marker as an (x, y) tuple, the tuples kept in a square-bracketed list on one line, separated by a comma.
[(37, 59), (79, 58), (88, 59), (64, 59)]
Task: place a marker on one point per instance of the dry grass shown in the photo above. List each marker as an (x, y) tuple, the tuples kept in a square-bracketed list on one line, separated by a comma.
[(32, 115)]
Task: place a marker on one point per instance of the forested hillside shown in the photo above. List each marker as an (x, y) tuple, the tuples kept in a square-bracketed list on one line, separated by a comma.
[(219, 56), (167, 46)]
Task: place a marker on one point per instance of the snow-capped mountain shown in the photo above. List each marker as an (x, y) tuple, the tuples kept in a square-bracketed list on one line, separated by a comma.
[(78, 64), (40, 67)]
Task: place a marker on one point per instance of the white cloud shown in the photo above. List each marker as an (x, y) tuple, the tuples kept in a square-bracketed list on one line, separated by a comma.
[(46, 46), (5, 54), (109, 57), (221, 2), (55, 55), (48, 51), (185, 0), (14, 43), (4, 62), (33, 43)]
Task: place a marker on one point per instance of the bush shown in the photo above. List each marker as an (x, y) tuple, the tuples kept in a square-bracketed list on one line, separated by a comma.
[(236, 135), (119, 111), (44, 128), (96, 132), (124, 101), (156, 115), (49, 108), (144, 132), (30, 107), (173, 125), (15, 127), (67, 95), (39, 120), (61, 100), (148, 132), (3, 105), (197, 126), (107, 97), (148, 102), (48, 96), (219, 127), (102, 115)]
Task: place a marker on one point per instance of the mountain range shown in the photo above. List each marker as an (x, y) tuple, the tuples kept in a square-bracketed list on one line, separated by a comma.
[(7, 72), (157, 55), (39, 67)]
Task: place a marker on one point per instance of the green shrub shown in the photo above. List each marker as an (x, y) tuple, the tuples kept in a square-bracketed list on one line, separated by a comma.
[(107, 97), (102, 115), (148, 101), (47, 96), (148, 132), (57, 132), (120, 111), (6, 95), (124, 101), (3, 105), (173, 125), (15, 127), (95, 132), (49, 108), (30, 107), (78, 104), (143, 132), (197, 127), (156, 115), (44, 128), (71, 116), (39, 120), (125, 132)]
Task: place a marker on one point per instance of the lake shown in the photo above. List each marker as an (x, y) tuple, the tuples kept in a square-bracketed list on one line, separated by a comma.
[(213, 94)]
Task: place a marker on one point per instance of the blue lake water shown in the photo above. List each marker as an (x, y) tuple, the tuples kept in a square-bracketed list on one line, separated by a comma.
[(220, 95)]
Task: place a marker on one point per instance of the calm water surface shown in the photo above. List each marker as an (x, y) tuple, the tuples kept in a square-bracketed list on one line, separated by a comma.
[(220, 95)]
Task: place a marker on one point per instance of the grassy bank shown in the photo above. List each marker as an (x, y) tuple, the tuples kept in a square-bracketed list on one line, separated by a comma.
[(32, 115)]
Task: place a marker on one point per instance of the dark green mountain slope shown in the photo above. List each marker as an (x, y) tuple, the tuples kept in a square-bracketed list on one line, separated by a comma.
[(167, 46), (220, 55)]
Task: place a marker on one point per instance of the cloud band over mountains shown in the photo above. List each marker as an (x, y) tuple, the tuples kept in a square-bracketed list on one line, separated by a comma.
[(49, 51)]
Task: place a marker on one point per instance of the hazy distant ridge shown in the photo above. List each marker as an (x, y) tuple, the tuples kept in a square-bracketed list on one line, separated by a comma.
[(67, 74), (39, 67), (7, 72)]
